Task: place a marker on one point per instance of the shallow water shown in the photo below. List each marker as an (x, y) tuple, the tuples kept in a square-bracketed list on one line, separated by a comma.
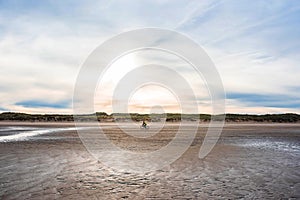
[(23, 133), (12, 130)]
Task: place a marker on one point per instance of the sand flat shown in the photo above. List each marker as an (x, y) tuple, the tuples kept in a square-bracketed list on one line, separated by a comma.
[(250, 161)]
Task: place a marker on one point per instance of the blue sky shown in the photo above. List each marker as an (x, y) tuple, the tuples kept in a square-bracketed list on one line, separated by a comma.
[(255, 46)]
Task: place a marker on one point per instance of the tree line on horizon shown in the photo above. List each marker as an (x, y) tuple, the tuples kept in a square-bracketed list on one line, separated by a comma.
[(169, 117)]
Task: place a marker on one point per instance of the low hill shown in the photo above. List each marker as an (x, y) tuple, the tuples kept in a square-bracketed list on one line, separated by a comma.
[(169, 117)]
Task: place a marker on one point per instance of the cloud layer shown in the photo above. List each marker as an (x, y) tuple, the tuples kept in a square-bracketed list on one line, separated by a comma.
[(254, 45)]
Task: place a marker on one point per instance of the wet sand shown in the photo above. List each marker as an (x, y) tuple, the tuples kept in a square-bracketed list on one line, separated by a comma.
[(250, 161)]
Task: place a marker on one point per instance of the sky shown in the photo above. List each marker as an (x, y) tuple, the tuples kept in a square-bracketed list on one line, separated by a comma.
[(255, 46)]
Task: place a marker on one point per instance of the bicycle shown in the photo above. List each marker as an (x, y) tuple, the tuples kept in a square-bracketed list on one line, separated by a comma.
[(144, 127)]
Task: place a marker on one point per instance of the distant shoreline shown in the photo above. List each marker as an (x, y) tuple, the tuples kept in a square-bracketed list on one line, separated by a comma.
[(168, 117)]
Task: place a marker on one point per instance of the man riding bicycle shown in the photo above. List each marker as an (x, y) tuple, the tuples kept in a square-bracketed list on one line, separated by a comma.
[(144, 125)]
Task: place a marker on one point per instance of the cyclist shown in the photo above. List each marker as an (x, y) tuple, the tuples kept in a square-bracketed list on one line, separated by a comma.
[(144, 125)]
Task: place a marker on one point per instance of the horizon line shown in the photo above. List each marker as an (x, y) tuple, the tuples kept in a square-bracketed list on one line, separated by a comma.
[(147, 113)]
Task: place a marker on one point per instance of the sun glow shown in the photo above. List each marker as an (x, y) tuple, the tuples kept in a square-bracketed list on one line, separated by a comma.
[(150, 96), (142, 100)]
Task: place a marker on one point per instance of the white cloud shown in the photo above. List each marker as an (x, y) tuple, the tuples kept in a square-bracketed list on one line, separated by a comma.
[(255, 46)]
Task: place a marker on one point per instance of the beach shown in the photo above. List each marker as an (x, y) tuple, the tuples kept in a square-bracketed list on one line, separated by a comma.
[(250, 161)]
